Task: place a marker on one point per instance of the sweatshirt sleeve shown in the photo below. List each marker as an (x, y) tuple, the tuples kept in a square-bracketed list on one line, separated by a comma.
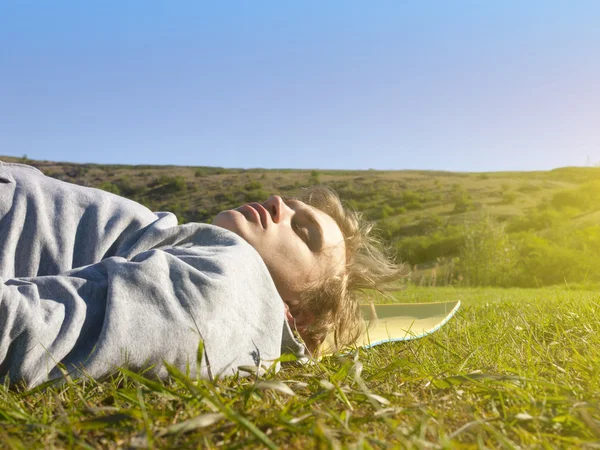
[(139, 312), (48, 226)]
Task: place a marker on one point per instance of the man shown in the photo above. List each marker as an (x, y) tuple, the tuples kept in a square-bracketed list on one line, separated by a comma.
[(95, 281)]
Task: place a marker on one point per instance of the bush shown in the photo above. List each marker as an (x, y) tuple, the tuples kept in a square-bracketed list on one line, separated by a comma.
[(128, 188), (203, 171), (585, 197), (544, 262), (487, 255), (110, 187), (409, 196), (314, 177), (386, 211), (171, 184), (253, 185), (444, 243), (430, 224), (508, 197), (537, 220), (256, 195), (463, 203), (525, 188)]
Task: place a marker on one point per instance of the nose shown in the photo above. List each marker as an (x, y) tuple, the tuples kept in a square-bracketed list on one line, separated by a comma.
[(277, 208)]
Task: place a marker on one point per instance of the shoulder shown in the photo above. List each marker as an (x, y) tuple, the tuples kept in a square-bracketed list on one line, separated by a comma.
[(30, 182), (19, 166), (225, 265), (8, 171), (219, 247)]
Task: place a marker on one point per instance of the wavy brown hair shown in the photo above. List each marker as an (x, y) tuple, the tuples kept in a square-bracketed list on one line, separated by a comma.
[(335, 301)]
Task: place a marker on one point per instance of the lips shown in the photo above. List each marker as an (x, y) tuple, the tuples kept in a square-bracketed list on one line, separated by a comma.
[(262, 213)]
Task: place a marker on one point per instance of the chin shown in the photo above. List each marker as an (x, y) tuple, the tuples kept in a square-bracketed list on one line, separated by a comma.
[(235, 221), (230, 220)]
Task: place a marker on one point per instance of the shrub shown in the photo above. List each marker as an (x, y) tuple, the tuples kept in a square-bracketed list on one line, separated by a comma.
[(171, 184), (258, 195), (463, 203), (487, 255), (314, 177), (128, 188), (508, 197), (544, 262), (386, 211), (414, 204), (585, 197), (253, 185), (443, 243), (110, 187), (525, 188), (203, 171), (409, 196), (536, 220), (430, 224)]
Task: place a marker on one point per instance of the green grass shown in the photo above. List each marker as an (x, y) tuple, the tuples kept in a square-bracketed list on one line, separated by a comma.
[(514, 369)]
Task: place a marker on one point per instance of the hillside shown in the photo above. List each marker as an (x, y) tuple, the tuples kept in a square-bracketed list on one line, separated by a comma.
[(541, 218)]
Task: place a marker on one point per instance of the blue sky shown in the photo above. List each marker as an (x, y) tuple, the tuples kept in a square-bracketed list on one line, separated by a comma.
[(445, 85)]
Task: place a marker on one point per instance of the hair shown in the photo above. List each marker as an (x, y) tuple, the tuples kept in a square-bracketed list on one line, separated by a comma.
[(334, 301)]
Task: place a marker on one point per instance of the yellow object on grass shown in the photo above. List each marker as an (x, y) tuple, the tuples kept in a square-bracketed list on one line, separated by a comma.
[(400, 322)]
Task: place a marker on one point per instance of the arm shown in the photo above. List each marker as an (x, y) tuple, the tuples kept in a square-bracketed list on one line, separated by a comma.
[(140, 312)]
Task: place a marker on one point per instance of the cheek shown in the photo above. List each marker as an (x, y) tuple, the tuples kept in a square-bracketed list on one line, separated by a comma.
[(296, 257), (290, 266)]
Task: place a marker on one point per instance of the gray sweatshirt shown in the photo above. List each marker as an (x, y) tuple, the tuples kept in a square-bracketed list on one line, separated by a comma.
[(95, 281)]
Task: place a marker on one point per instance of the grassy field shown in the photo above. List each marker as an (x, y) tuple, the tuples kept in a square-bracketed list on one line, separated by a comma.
[(514, 369)]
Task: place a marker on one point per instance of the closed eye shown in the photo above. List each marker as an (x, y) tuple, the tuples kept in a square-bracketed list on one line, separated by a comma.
[(308, 216)]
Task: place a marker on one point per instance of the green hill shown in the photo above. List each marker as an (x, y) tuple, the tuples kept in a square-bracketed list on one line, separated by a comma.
[(496, 228)]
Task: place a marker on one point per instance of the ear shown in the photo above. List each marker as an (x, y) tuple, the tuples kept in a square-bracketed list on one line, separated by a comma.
[(288, 315), (303, 318), (300, 319), (301, 322)]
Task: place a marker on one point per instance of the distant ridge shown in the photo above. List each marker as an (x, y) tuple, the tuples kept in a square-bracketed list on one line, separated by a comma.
[(420, 213)]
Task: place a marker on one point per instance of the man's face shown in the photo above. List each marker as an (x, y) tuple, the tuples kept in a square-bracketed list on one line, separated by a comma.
[(299, 244)]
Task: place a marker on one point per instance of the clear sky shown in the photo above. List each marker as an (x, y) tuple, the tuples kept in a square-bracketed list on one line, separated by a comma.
[(401, 84)]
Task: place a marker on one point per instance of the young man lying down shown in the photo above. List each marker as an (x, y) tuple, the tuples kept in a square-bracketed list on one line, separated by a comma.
[(95, 281)]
